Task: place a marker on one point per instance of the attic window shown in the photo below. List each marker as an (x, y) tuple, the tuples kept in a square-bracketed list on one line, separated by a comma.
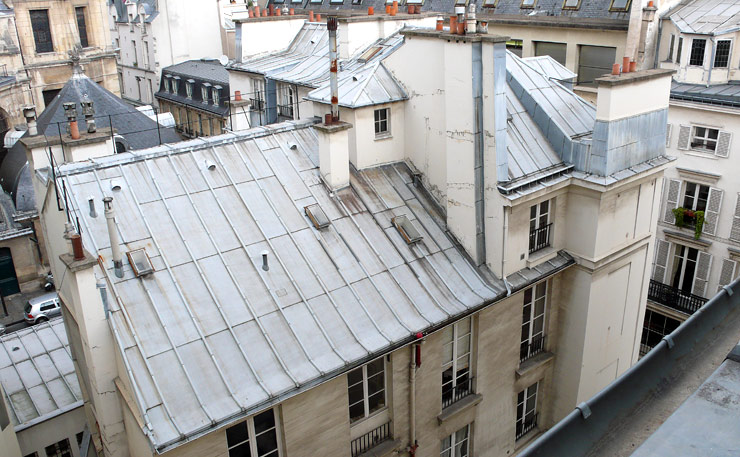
[(216, 94), (369, 54), (619, 5), (204, 92), (175, 84), (189, 88), (571, 4), (490, 3), (317, 216), (406, 229), (140, 262), (530, 3), (415, 2)]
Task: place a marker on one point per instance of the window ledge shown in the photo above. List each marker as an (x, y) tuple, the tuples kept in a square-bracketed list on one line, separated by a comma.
[(686, 239), (383, 136), (383, 449), (533, 363), (459, 406), (581, 88), (543, 255)]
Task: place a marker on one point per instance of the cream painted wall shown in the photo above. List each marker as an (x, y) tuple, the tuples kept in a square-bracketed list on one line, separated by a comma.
[(260, 36), (627, 100), (365, 149), (8, 441), (48, 432)]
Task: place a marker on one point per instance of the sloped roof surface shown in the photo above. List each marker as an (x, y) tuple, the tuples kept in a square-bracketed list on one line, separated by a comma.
[(37, 373), (550, 67), (149, 9), (206, 349), (373, 85), (709, 17), (203, 69), (716, 94)]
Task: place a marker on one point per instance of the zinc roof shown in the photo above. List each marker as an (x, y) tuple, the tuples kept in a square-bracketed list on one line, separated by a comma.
[(708, 17), (37, 373), (372, 85), (210, 335), (550, 67)]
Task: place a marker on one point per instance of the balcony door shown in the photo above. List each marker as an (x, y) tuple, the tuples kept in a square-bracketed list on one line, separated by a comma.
[(684, 268)]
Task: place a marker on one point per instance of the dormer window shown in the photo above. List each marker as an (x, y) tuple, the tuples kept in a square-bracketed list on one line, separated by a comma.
[(528, 3), (216, 94), (167, 83), (189, 88), (619, 5), (175, 85), (571, 4), (698, 46), (204, 92)]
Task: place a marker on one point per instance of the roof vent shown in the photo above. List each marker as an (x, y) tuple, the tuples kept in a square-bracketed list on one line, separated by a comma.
[(210, 166), (293, 146), (115, 186), (406, 229), (140, 262), (317, 216), (354, 78)]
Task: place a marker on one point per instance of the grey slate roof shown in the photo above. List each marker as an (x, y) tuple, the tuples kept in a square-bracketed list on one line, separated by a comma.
[(149, 8), (708, 17), (37, 373), (331, 300), (372, 85), (202, 71), (715, 94)]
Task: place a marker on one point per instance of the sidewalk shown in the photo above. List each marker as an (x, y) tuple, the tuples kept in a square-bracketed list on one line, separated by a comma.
[(15, 304)]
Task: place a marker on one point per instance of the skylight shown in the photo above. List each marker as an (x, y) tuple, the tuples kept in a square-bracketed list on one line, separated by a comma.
[(619, 5), (140, 262), (407, 229), (369, 54), (317, 216)]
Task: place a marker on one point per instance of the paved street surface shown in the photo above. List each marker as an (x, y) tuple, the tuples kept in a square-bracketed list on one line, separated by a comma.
[(14, 304)]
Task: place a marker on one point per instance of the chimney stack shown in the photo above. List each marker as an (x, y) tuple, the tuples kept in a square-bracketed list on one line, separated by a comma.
[(29, 112), (70, 110), (89, 111), (331, 25), (110, 217)]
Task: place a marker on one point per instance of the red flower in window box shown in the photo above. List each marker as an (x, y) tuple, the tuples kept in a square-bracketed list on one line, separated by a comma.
[(690, 213)]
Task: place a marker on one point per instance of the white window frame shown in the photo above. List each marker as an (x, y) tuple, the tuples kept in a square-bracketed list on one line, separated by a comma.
[(378, 122), (454, 363), (691, 52), (704, 139), (729, 54), (684, 257), (536, 222), (527, 395), (167, 85), (449, 443), (695, 195), (189, 89), (533, 314), (252, 437), (216, 93), (365, 396)]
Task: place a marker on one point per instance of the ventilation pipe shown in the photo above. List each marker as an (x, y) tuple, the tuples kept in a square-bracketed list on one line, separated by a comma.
[(110, 217), (91, 202), (265, 264), (331, 25), (470, 23), (29, 112)]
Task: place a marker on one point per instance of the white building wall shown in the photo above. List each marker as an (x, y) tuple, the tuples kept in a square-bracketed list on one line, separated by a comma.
[(48, 432)]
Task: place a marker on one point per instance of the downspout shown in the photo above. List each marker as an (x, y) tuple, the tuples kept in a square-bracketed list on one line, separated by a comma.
[(478, 143), (238, 42), (503, 250), (415, 364), (711, 61)]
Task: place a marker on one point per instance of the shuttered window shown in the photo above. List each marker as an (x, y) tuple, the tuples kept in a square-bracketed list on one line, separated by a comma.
[(735, 231), (701, 277), (41, 30), (672, 193), (704, 139), (662, 248), (669, 129), (729, 272), (711, 212)]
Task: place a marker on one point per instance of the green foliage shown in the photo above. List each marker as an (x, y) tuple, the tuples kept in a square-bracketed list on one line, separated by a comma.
[(679, 213), (699, 224)]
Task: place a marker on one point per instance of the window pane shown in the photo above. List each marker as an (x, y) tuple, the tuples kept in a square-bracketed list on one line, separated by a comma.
[(354, 376), (266, 443), (375, 367), (697, 52), (375, 383), (240, 451), (376, 402), (447, 353), (264, 421), (722, 54), (236, 434), (357, 411), (463, 346), (355, 393), (81, 25)]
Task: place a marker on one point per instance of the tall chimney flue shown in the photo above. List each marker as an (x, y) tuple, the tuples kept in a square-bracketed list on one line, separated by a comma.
[(110, 218), (29, 112), (331, 25), (70, 110)]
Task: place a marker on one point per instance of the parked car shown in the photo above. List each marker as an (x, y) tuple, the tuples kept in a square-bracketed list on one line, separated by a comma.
[(42, 308)]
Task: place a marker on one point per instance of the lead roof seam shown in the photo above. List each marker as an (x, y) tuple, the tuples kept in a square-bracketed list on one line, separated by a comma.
[(251, 171), (159, 318), (303, 256), (61, 375), (127, 319), (197, 325), (444, 251), (267, 286), (369, 182), (25, 387)]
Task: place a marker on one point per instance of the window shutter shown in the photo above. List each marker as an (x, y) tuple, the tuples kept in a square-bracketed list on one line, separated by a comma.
[(672, 194), (662, 248), (728, 272), (711, 215), (669, 127), (723, 144), (703, 265), (735, 231), (684, 135)]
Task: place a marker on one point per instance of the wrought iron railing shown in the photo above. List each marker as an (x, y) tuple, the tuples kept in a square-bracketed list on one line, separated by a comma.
[(674, 297), (644, 349), (539, 238), (371, 439), (257, 104), (525, 426), (285, 110), (531, 347), (453, 394)]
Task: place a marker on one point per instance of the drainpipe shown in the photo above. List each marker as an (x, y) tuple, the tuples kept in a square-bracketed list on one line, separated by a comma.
[(503, 250), (331, 25), (238, 41), (711, 61), (110, 217), (478, 145), (414, 365)]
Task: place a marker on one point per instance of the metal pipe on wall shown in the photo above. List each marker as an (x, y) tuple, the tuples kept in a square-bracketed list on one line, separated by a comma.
[(331, 25)]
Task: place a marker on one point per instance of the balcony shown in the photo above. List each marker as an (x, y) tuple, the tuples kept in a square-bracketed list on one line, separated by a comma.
[(371, 439), (539, 238), (457, 393), (285, 111), (257, 104), (531, 347), (674, 298), (526, 426)]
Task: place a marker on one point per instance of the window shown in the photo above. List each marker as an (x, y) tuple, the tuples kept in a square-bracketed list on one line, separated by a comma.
[(654, 328), (555, 50), (60, 449), (619, 5), (166, 84), (189, 88), (722, 54), (461, 2), (216, 95), (526, 410), (697, 52), (204, 93), (528, 3), (382, 122), (41, 30), (151, 91), (490, 3), (136, 54), (287, 98), (684, 268), (255, 437), (46, 306), (539, 226), (594, 62), (533, 321), (176, 85), (695, 199), (670, 49), (82, 26), (515, 46), (571, 4), (258, 89), (49, 95), (457, 444), (456, 347), (679, 49), (366, 389), (704, 139), (146, 55)]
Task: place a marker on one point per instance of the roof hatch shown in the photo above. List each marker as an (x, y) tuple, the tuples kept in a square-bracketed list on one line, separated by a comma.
[(407, 229), (139, 260), (317, 216)]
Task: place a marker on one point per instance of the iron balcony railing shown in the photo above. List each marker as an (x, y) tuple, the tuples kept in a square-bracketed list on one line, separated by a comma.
[(531, 347), (371, 439), (539, 238), (526, 426), (285, 111), (674, 297), (453, 394), (257, 104), (644, 349)]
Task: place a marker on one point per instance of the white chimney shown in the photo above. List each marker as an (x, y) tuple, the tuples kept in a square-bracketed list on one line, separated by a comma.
[(110, 217)]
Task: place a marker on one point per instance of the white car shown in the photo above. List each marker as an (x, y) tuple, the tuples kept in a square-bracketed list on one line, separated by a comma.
[(42, 308)]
